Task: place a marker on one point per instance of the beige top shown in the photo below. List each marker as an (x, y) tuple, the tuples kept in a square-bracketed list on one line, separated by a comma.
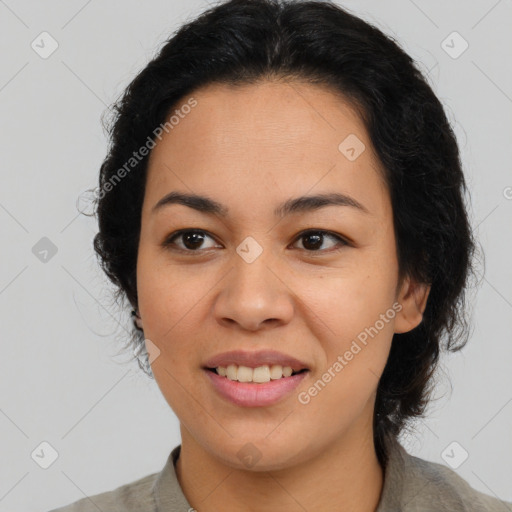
[(411, 484)]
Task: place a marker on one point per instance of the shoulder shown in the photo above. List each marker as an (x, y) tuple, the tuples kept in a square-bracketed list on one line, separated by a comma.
[(432, 486), (134, 496)]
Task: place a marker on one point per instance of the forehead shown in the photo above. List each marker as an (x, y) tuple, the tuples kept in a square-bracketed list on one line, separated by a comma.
[(271, 139)]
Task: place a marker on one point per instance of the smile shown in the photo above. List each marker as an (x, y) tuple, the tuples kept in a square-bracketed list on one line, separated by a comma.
[(254, 394), (260, 374)]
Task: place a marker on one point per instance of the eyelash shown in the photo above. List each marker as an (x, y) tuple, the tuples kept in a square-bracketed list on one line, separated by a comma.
[(169, 241)]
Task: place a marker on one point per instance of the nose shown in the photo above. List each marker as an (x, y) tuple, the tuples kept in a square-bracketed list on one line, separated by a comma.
[(253, 296)]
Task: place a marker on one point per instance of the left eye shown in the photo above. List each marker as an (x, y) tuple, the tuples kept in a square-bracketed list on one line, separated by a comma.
[(192, 239), (317, 237)]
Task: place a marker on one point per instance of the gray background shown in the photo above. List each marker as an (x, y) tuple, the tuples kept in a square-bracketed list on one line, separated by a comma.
[(61, 379)]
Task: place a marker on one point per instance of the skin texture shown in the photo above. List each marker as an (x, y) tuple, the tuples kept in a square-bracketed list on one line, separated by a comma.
[(251, 148)]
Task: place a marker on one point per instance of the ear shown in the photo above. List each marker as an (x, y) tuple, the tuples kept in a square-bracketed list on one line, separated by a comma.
[(137, 319), (413, 299)]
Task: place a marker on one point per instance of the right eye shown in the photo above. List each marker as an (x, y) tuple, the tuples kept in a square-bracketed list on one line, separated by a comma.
[(191, 240)]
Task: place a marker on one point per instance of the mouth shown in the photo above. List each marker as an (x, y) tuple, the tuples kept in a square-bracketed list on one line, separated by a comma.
[(258, 375), (254, 379), (256, 366), (251, 393)]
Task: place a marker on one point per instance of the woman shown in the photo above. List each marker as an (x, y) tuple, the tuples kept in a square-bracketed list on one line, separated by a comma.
[(283, 207)]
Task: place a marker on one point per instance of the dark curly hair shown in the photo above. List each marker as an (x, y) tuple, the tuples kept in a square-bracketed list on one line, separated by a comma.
[(248, 41)]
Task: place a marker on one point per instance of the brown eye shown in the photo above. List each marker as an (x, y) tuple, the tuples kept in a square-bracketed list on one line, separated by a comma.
[(192, 240), (314, 239)]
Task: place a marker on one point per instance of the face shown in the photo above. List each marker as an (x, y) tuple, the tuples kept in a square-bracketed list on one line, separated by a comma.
[(308, 282)]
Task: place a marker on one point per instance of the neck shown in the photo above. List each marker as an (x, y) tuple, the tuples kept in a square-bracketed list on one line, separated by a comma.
[(345, 476)]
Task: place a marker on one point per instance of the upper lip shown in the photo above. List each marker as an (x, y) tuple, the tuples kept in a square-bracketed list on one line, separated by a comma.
[(255, 359)]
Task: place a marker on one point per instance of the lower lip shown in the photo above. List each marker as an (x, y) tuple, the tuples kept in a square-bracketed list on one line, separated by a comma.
[(248, 394)]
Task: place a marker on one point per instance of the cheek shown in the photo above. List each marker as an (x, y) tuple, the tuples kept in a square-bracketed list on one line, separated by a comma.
[(168, 295), (352, 301), (359, 334), (352, 317), (355, 347)]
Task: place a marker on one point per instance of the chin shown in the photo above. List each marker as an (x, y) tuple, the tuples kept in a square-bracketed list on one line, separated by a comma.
[(259, 454)]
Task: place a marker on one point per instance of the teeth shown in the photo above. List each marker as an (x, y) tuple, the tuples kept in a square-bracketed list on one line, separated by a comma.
[(244, 374), (276, 371), (231, 372), (287, 371), (260, 374)]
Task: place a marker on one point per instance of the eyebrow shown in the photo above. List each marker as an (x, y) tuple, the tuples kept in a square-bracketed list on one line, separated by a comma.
[(295, 205)]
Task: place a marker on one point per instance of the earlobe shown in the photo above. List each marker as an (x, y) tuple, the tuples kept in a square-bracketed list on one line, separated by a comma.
[(413, 298), (137, 319)]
